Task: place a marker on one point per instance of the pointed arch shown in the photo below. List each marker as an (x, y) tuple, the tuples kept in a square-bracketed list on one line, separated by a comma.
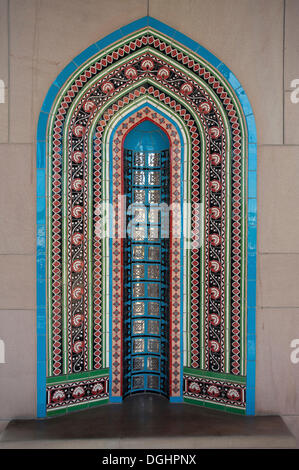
[(146, 64)]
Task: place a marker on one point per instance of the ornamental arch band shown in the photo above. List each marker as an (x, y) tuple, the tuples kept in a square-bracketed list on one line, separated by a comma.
[(99, 98)]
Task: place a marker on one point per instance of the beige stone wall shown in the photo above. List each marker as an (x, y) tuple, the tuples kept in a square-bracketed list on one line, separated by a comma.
[(258, 40)]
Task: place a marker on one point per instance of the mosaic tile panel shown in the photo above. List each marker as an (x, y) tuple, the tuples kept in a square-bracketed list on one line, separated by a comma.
[(69, 394), (218, 392), (146, 64)]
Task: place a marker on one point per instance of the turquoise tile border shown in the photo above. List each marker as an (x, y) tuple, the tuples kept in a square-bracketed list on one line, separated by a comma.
[(40, 266), (40, 182), (162, 27), (230, 77), (251, 129), (244, 101), (188, 42), (252, 238), (252, 153), (251, 272), (110, 39), (40, 293), (41, 263), (251, 323), (42, 126), (85, 55), (41, 389), (134, 26), (251, 293), (41, 321), (65, 74), (41, 239), (40, 155), (40, 210), (41, 201), (252, 211), (50, 97), (252, 184)]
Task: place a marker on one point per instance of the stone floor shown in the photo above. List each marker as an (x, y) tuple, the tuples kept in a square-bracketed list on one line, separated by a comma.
[(148, 421)]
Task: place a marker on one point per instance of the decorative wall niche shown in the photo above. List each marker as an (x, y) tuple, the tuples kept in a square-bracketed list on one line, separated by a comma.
[(146, 72)]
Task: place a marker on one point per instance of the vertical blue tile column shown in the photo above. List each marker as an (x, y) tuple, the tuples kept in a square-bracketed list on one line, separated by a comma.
[(251, 265), (41, 257)]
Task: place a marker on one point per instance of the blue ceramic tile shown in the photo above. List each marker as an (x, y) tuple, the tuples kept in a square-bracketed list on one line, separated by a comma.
[(40, 183), (252, 211), (181, 38), (86, 54), (50, 97), (244, 101), (134, 26), (115, 399), (250, 374), (41, 266), (176, 399), (40, 293), (41, 239), (42, 126), (41, 350), (41, 154), (251, 321), (250, 405), (108, 40), (251, 266), (41, 321), (230, 77), (208, 56), (252, 238), (251, 293), (41, 365), (41, 409), (65, 74), (252, 157), (251, 347), (252, 139), (251, 246), (252, 184), (41, 380), (41, 402), (41, 210), (162, 27)]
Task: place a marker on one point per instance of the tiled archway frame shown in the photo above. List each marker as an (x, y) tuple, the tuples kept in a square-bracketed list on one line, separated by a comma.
[(193, 193), (194, 312), (133, 99), (113, 109), (47, 114)]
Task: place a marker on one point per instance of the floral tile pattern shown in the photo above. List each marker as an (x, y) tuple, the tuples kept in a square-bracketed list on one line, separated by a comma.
[(145, 75)]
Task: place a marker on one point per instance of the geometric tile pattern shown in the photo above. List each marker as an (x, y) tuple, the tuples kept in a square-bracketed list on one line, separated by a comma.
[(215, 391), (75, 393), (100, 92)]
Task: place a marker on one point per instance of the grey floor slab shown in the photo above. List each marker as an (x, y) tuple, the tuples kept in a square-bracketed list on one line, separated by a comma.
[(148, 421)]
